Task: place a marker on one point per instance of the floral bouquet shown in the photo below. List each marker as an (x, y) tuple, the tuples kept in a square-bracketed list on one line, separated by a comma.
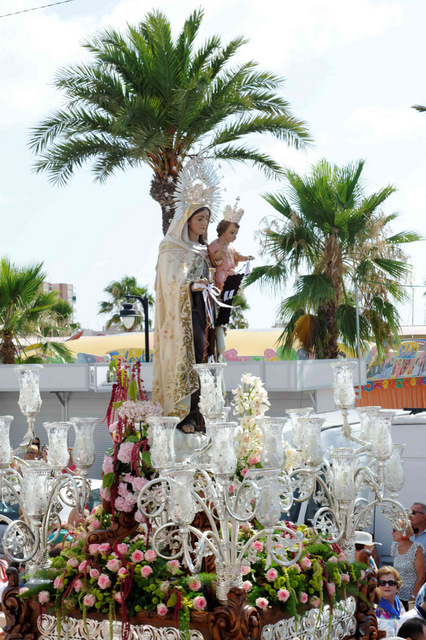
[(127, 464)]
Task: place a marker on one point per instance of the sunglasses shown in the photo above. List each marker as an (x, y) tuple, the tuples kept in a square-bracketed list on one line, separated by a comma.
[(383, 583), (414, 512)]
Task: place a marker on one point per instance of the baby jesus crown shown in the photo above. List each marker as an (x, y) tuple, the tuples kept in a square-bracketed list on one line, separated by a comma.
[(232, 214)]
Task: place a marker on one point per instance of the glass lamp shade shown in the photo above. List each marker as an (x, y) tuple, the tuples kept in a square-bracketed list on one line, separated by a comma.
[(212, 399), (223, 459), (344, 462), (57, 455), (273, 454), (394, 471), (29, 388), (382, 445), (35, 487), (163, 446), (6, 454), (268, 511), (366, 416), (344, 392), (181, 506), (312, 447), (84, 452), (296, 426)]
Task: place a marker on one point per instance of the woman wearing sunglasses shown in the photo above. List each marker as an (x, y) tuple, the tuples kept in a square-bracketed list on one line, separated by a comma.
[(408, 561), (389, 609)]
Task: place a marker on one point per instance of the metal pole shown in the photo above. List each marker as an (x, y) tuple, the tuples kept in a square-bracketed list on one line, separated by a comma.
[(357, 336), (145, 308)]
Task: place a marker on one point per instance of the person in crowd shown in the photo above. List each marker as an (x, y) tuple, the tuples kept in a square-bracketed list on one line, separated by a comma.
[(36, 443), (418, 522), (409, 562), (414, 629), (389, 609), (418, 611), (364, 542)]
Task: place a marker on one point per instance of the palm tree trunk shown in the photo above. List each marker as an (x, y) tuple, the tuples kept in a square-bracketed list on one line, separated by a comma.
[(7, 349), (331, 349), (162, 191)]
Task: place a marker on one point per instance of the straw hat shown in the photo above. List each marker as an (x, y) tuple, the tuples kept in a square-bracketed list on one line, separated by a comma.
[(363, 537)]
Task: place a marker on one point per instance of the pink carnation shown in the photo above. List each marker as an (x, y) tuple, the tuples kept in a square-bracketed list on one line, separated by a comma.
[(257, 546), (146, 571), (103, 581), (283, 595), (150, 555), (303, 597), (200, 603), (78, 585), (245, 570), (262, 603), (271, 575), (162, 609), (89, 600), (137, 556), (305, 563), (126, 451), (43, 597), (194, 584), (247, 585), (113, 565)]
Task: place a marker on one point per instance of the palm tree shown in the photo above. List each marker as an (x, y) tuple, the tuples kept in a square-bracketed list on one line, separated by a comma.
[(26, 310), (237, 318), (117, 292), (327, 226), (147, 99)]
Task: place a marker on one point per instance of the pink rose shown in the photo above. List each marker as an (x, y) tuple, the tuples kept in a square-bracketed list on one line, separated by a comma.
[(162, 609), (94, 525), (303, 597), (333, 559), (146, 571), (296, 566), (113, 565), (331, 588), (137, 556), (122, 572), (89, 600), (118, 597), (342, 557), (173, 566), (247, 585), (200, 603), (314, 601), (59, 582), (305, 563), (104, 547), (83, 565), (271, 575), (93, 549), (103, 581), (194, 584), (73, 562), (262, 603), (94, 573), (122, 548), (43, 597), (165, 586), (245, 570), (283, 595), (78, 585), (150, 555), (244, 471), (362, 574), (252, 459), (345, 577), (257, 546), (23, 589)]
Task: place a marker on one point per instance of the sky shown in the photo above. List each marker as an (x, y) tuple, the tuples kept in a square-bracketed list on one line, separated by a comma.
[(353, 68)]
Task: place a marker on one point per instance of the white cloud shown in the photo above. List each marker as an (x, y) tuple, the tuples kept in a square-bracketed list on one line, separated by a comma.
[(376, 122)]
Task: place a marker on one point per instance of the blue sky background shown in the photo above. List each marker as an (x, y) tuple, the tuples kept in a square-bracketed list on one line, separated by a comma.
[(352, 69)]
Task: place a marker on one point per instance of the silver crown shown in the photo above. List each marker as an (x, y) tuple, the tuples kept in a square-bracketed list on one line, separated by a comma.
[(233, 214), (197, 183)]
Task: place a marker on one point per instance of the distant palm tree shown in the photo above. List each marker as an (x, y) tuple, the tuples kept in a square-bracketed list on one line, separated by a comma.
[(117, 291), (239, 306), (25, 310), (419, 107), (327, 227), (147, 99)]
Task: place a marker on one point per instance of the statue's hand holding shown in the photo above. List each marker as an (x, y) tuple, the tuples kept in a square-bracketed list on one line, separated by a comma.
[(199, 285)]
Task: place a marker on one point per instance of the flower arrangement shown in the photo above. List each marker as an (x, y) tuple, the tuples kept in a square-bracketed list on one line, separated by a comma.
[(127, 464)]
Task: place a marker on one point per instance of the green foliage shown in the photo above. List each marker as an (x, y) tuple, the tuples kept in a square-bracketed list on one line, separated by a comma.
[(117, 292), (328, 233)]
